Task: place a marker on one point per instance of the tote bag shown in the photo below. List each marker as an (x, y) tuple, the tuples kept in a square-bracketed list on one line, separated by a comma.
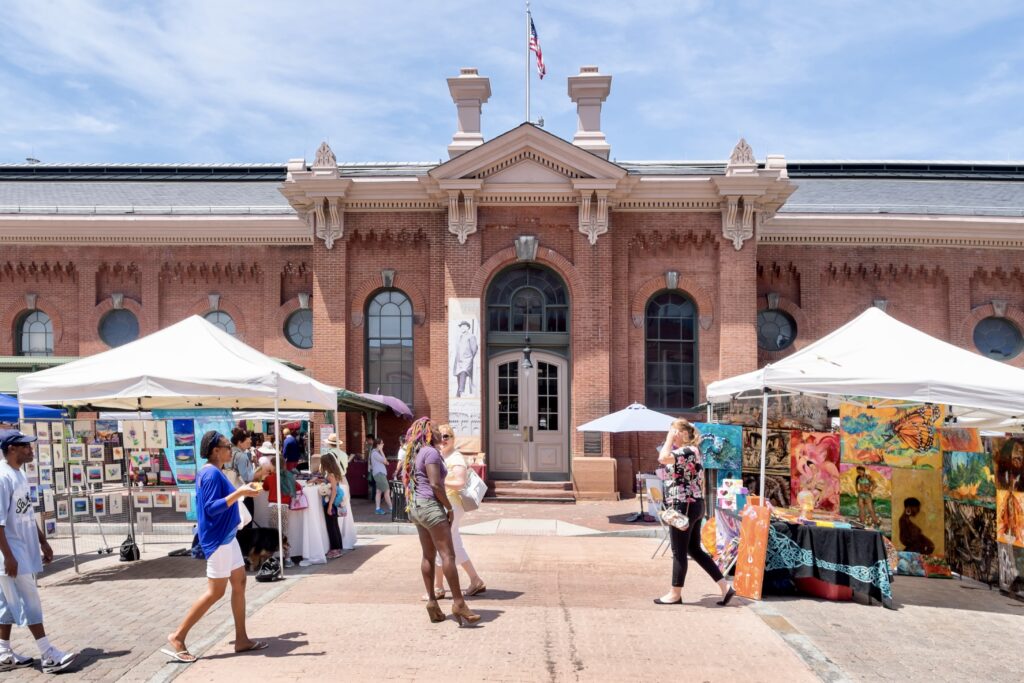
[(473, 492)]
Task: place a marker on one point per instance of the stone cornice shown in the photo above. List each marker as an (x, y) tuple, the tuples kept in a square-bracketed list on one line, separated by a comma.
[(894, 230), (153, 230)]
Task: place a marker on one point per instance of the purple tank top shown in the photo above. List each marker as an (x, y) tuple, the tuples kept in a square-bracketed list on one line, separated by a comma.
[(427, 455)]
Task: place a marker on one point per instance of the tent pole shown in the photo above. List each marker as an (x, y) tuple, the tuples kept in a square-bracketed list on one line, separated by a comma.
[(277, 480), (764, 439)]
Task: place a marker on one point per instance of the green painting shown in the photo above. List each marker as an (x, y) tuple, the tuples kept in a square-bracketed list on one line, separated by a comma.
[(969, 478)]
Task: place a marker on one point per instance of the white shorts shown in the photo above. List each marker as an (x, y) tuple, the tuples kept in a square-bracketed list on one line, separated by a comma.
[(224, 560), (19, 600)]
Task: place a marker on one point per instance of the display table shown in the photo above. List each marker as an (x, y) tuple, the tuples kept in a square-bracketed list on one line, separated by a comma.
[(307, 529), (844, 557)]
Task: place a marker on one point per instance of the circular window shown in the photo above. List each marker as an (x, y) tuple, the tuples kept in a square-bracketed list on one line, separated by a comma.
[(998, 338), (222, 320), (775, 330), (299, 328), (119, 327)]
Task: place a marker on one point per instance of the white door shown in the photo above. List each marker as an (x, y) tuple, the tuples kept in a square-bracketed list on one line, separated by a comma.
[(528, 417)]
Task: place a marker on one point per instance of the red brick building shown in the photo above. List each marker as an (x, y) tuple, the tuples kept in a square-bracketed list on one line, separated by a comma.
[(635, 281)]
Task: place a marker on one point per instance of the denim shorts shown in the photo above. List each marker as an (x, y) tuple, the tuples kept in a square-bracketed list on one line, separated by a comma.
[(427, 512), (19, 600)]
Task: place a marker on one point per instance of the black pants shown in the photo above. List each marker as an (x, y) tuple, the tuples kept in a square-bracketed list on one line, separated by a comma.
[(688, 541), (333, 530)]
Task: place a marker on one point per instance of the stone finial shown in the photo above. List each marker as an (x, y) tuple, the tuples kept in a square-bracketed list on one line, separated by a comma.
[(742, 154), (469, 91), (672, 279), (387, 277), (325, 157), (999, 307), (214, 301), (304, 300), (773, 300), (589, 90), (31, 301), (526, 248), (117, 300)]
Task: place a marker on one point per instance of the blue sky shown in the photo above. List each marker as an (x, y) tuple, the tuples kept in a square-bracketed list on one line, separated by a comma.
[(253, 81)]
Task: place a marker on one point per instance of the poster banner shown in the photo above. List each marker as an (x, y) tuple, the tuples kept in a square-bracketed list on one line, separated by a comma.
[(464, 374)]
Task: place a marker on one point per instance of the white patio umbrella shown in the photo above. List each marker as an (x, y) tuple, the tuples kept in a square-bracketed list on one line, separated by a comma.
[(635, 417)]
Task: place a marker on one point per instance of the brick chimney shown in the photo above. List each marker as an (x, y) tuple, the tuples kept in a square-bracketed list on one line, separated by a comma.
[(469, 92), (588, 90)]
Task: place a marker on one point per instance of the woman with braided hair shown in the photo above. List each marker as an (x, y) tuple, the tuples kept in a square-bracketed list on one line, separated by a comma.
[(423, 474)]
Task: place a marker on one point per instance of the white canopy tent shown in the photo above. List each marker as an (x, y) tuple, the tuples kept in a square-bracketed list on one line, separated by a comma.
[(878, 356), (192, 364)]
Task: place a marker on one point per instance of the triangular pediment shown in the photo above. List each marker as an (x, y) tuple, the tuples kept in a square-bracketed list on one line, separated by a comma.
[(527, 155)]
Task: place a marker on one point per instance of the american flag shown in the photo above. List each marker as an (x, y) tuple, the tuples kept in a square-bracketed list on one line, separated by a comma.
[(535, 47)]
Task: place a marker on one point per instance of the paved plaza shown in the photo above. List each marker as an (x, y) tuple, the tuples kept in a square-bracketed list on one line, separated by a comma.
[(569, 607)]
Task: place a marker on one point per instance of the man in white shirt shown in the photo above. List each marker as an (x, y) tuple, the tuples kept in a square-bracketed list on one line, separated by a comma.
[(23, 549)]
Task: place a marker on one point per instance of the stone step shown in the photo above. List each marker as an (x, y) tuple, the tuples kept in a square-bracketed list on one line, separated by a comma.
[(531, 495), (539, 485)]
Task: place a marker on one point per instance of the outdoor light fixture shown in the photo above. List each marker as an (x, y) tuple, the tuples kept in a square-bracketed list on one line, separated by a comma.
[(526, 364)]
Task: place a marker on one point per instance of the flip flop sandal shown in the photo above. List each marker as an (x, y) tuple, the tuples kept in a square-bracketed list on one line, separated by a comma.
[(256, 645), (182, 656)]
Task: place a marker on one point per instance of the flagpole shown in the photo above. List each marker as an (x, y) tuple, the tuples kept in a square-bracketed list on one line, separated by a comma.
[(527, 61)]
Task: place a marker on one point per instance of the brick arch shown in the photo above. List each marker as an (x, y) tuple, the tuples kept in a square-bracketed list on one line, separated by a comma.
[(545, 256), (687, 284), (803, 330), (372, 284), (92, 323), (42, 304), (280, 316), (966, 332), (202, 306)]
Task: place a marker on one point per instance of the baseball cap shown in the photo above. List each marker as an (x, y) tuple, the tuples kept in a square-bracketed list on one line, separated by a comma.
[(9, 437)]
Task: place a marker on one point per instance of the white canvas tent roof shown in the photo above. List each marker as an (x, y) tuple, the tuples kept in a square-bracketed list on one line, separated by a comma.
[(878, 356), (190, 364)]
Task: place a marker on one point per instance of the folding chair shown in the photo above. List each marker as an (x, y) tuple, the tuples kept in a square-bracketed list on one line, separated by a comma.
[(659, 500)]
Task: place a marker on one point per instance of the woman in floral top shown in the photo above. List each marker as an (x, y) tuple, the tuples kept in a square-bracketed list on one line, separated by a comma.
[(685, 494)]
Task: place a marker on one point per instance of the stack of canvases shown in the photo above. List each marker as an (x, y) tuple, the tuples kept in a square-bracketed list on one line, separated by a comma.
[(891, 479), (969, 490), (1008, 455)]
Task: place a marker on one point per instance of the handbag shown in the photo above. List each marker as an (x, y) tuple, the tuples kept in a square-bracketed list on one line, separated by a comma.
[(269, 571), (299, 501), (473, 492), (243, 515), (129, 551), (676, 519), (232, 474)]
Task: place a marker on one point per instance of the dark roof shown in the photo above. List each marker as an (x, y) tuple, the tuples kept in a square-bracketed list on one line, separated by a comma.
[(903, 196)]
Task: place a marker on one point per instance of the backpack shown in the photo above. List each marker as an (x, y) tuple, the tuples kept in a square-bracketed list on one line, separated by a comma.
[(129, 551), (269, 571)]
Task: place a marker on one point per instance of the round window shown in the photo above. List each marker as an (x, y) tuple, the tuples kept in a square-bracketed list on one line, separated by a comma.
[(119, 327), (998, 338), (775, 330), (298, 329), (222, 320)]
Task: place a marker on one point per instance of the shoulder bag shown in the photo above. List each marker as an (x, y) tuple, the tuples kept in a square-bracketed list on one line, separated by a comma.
[(473, 492), (299, 501), (676, 519), (129, 551)]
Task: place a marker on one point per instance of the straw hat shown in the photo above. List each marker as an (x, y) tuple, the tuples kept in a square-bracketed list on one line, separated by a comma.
[(267, 448), (332, 440)]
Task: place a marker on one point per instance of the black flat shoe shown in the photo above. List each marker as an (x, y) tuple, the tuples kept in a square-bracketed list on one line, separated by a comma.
[(728, 596), (659, 601)]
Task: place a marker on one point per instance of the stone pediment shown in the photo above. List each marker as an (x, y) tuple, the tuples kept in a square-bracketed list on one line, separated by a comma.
[(528, 172)]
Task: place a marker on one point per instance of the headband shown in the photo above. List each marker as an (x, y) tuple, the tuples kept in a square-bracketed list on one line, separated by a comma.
[(214, 442)]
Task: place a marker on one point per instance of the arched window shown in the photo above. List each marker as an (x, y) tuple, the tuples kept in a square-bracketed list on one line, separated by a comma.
[(670, 352), (34, 334), (298, 329), (389, 352), (527, 299), (222, 320), (119, 327)]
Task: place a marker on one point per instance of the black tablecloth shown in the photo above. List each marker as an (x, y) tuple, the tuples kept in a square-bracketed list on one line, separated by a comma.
[(845, 557)]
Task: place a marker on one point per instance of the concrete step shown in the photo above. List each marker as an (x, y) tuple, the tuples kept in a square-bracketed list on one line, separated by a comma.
[(536, 485), (516, 494)]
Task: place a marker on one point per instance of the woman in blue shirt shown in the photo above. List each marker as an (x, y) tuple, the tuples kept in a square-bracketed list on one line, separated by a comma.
[(219, 520)]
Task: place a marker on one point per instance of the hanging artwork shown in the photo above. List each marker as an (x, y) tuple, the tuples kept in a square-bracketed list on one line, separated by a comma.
[(156, 434), (28, 429), (1010, 517), (865, 492), (76, 452), (45, 475), (134, 434), (917, 511), (43, 431), (784, 412), (814, 459), (896, 437), (82, 430), (776, 459), (105, 430), (76, 475), (143, 500), (140, 460), (163, 500), (965, 439), (777, 487), (80, 507), (184, 433), (968, 478), (971, 546), (94, 474), (1008, 458), (44, 453), (721, 445), (727, 538), (112, 472), (115, 505), (1011, 569), (62, 509), (99, 505), (186, 475), (57, 432), (94, 452), (183, 502)]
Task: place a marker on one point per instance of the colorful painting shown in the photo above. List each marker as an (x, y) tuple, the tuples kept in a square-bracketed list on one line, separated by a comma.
[(776, 459), (82, 430), (1011, 569), (968, 478), (94, 473), (184, 502), (1010, 517), (166, 478), (186, 475), (76, 452), (184, 456), (814, 459), (80, 506), (870, 499), (117, 452), (156, 434), (776, 486), (31, 470), (753, 548), (140, 460), (963, 439), (910, 564), (896, 437), (45, 475), (94, 451), (917, 512), (57, 432), (1008, 458), (971, 546), (51, 527), (721, 445), (143, 500), (62, 509), (76, 475), (99, 505), (134, 434), (727, 538), (112, 472), (43, 431), (44, 453), (106, 430), (163, 500), (784, 412)]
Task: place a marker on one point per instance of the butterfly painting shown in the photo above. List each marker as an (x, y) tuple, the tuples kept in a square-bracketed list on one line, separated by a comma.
[(907, 436)]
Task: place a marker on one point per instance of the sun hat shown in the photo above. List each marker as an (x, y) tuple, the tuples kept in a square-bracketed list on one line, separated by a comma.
[(267, 448), (332, 440)]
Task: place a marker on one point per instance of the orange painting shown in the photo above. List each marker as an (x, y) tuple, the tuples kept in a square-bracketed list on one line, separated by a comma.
[(960, 439), (749, 579), (1010, 518)]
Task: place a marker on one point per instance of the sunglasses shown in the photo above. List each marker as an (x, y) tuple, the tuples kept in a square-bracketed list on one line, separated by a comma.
[(446, 437)]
